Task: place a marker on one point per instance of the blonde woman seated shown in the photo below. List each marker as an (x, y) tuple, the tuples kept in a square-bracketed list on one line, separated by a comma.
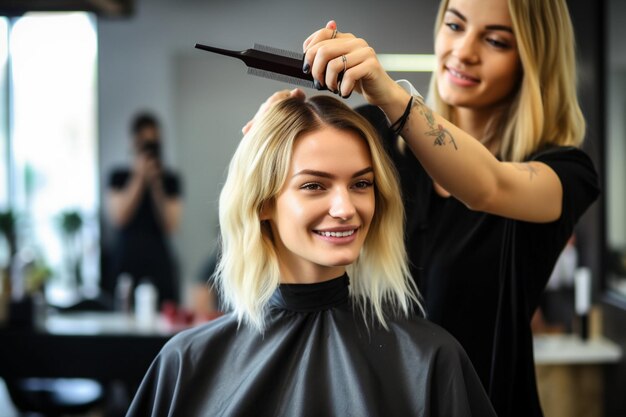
[(314, 269)]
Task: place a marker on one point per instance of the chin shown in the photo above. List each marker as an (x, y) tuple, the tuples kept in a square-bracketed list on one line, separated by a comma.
[(458, 102), (453, 97), (342, 261)]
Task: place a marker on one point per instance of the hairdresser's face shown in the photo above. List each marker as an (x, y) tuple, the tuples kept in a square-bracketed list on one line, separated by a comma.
[(323, 213), (478, 64)]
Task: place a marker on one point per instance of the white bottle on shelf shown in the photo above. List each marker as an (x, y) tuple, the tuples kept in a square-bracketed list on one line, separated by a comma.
[(582, 295), (146, 297)]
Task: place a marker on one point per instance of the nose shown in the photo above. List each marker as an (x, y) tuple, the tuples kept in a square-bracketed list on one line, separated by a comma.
[(341, 205), (465, 48)]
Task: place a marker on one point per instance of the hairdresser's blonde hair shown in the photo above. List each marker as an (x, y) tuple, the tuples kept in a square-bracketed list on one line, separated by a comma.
[(248, 272), (544, 110)]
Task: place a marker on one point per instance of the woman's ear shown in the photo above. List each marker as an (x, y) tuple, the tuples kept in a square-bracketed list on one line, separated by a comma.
[(267, 210)]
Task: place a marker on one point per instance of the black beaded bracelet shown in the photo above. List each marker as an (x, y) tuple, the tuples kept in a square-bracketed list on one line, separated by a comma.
[(399, 124)]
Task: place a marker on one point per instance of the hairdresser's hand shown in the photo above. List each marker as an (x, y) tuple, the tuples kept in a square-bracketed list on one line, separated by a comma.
[(146, 168), (271, 100), (364, 73)]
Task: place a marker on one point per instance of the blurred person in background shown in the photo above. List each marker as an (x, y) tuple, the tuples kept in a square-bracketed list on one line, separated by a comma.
[(144, 204)]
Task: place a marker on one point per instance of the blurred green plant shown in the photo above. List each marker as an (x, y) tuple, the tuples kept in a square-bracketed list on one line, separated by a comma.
[(71, 224), (32, 269), (7, 228), (36, 273)]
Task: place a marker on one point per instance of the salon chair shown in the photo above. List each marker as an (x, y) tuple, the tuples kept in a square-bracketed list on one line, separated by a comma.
[(56, 397)]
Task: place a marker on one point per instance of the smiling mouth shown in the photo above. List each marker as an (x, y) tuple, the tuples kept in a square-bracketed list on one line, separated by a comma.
[(345, 233), (461, 76)]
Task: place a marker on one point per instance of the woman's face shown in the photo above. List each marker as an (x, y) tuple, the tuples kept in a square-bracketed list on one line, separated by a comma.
[(478, 63), (322, 215)]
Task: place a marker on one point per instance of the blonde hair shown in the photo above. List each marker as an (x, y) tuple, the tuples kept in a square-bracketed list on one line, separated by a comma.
[(248, 272), (544, 109)]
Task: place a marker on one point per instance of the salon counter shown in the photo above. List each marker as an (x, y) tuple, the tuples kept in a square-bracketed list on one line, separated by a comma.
[(570, 376), (102, 346), (572, 350)]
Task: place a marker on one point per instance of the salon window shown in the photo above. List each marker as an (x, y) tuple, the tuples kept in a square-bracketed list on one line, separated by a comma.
[(48, 139)]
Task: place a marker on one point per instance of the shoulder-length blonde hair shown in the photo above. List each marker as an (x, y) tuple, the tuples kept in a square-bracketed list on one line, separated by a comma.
[(544, 110), (248, 272)]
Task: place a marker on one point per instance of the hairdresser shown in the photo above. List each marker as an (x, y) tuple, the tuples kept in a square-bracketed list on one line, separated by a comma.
[(492, 176), (144, 206)]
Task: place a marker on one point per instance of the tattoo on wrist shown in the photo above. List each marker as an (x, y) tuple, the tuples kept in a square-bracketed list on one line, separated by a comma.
[(442, 135)]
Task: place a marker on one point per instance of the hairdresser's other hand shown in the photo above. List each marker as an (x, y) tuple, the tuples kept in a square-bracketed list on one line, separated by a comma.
[(364, 73), (271, 100)]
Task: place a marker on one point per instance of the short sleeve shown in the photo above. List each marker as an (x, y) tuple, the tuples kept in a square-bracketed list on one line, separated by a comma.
[(578, 177), (172, 184), (118, 178), (543, 242)]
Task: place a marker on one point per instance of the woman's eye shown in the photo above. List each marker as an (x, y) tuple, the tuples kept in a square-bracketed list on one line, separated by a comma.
[(454, 26), (497, 44), (311, 186), (363, 184)]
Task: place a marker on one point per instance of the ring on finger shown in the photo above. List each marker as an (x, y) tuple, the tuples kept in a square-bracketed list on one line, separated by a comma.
[(334, 35), (342, 73)]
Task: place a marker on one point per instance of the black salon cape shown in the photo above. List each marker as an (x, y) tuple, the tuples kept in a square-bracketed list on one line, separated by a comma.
[(316, 358)]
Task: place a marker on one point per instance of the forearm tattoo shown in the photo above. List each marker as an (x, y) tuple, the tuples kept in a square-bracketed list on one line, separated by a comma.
[(442, 136), (532, 171)]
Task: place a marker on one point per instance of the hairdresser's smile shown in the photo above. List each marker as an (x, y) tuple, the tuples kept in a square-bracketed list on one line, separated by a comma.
[(461, 78), (321, 217)]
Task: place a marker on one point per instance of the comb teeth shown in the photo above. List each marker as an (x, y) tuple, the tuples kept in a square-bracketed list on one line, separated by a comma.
[(278, 51), (280, 77)]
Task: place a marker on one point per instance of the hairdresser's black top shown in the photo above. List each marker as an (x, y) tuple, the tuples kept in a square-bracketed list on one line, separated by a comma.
[(316, 358), (141, 248), (481, 275)]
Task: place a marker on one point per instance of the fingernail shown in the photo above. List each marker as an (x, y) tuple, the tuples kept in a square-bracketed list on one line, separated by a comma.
[(317, 85), (348, 96), (306, 67)]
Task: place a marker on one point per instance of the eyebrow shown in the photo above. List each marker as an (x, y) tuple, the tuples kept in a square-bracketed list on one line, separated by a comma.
[(488, 27), (329, 175)]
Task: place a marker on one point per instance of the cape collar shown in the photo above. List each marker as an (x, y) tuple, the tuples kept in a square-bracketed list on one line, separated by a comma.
[(308, 298)]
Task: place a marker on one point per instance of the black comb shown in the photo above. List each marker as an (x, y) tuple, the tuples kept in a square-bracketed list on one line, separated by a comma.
[(273, 63)]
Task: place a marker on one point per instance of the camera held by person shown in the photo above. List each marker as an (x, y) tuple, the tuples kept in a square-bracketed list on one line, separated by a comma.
[(152, 149)]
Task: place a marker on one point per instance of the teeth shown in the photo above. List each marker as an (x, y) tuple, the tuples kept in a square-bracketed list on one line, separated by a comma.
[(458, 75), (337, 234)]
